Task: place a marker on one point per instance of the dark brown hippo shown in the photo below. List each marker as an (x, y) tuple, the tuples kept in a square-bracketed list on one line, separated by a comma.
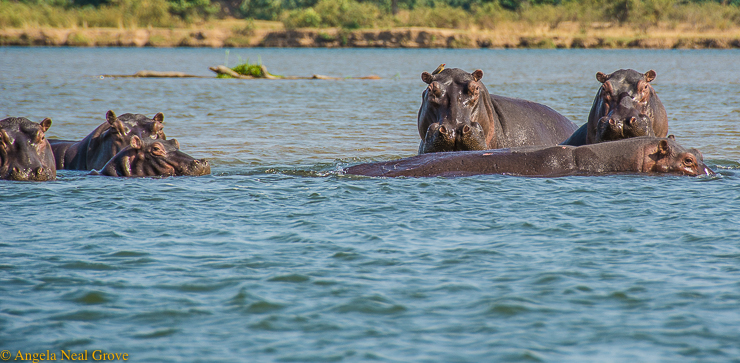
[(106, 140), (154, 157), (645, 154), (615, 88), (457, 113), (623, 122), (25, 153)]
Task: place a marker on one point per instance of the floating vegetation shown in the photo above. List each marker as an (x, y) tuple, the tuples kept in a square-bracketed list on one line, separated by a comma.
[(244, 70)]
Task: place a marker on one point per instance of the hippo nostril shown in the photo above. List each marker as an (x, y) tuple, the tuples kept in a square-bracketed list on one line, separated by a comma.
[(442, 130), (39, 170), (466, 129), (611, 121), (632, 120)]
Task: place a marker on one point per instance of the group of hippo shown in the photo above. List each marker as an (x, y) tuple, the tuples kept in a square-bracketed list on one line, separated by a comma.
[(126, 145), (467, 131), (464, 131)]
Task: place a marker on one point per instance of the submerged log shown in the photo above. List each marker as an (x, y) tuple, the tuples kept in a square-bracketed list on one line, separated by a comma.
[(152, 74), (231, 73)]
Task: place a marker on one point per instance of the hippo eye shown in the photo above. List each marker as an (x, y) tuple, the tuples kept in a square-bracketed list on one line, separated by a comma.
[(157, 149), (689, 161), (38, 137), (435, 90), (472, 88)]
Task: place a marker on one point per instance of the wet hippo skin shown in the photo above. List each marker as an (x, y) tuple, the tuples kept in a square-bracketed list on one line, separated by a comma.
[(645, 154), (106, 140), (150, 158), (25, 154), (620, 91), (458, 113)]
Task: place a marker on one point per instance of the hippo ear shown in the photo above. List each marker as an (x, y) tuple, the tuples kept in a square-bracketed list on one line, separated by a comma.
[(601, 77), (672, 137), (177, 144), (158, 149), (111, 117), (477, 75), (159, 117), (663, 148), (135, 142), (45, 124), (650, 75), (113, 120), (427, 78)]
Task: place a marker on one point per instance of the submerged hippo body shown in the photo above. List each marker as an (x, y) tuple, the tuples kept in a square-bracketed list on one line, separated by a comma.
[(106, 140), (154, 158), (457, 113), (25, 153), (634, 155), (617, 90)]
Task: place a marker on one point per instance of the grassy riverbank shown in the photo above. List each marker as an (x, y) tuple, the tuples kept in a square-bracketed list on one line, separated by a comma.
[(345, 23), (236, 33)]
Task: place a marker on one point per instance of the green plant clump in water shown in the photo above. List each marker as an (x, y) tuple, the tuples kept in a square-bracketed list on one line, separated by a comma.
[(246, 69)]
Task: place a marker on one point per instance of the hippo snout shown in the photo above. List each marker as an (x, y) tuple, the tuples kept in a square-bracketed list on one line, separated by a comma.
[(27, 174), (443, 137), (471, 137), (609, 128), (200, 167)]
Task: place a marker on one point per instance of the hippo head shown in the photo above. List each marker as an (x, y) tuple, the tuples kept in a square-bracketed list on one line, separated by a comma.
[(455, 113), (143, 126), (25, 154), (633, 86), (667, 156), (154, 157), (623, 121), (625, 83), (113, 136)]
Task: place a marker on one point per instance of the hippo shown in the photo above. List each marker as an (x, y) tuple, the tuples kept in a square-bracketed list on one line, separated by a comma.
[(457, 113), (154, 157), (624, 121), (644, 154), (106, 140), (25, 154), (615, 88)]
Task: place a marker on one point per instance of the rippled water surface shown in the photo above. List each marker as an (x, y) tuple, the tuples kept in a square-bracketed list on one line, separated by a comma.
[(277, 257)]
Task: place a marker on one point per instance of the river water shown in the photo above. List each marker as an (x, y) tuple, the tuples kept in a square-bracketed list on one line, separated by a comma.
[(277, 257)]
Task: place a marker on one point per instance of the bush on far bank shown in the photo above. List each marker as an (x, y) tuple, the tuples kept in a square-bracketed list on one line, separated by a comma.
[(353, 14)]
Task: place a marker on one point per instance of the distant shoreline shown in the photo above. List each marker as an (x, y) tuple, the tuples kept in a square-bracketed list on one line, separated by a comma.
[(513, 36)]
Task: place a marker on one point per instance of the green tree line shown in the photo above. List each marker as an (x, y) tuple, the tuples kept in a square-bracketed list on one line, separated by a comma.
[(352, 14)]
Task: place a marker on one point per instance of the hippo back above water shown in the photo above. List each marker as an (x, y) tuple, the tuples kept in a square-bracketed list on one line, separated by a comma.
[(457, 113), (645, 154), (620, 92), (25, 153), (94, 151)]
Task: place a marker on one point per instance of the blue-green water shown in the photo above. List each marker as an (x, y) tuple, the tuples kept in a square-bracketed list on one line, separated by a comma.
[(277, 257)]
